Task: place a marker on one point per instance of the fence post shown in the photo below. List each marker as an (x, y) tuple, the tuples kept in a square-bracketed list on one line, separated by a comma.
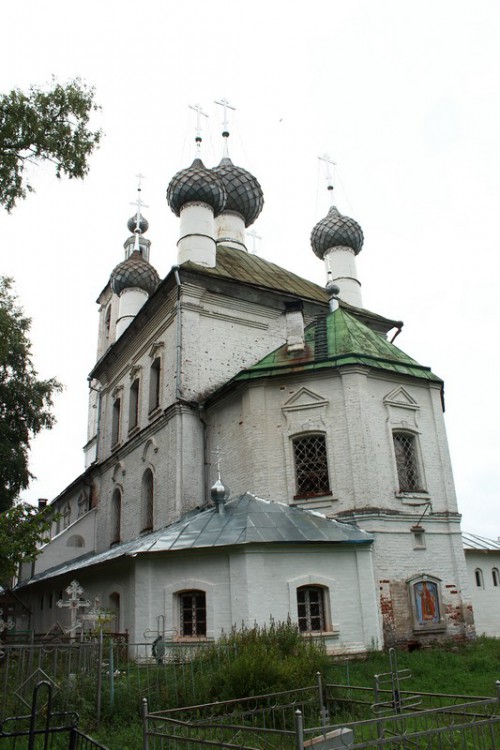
[(111, 674), (299, 730), (323, 711), (144, 714), (99, 680)]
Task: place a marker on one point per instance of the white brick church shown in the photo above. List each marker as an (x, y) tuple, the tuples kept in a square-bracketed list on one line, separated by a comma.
[(341, 513)]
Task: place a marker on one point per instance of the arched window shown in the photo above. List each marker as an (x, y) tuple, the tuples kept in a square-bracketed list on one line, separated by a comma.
[(115, 423), (496, 577), (107, 323), (116, 516), (193, 614), (154, 384), (75, 540), (311, 466), (147, 501), (311, 608), (405, 451), (478, 575), (133, 412)]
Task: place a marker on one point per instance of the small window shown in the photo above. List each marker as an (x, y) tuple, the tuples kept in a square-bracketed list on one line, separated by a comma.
[(405, 450), (311, 609), (147, 501), (311, 466), (116, 517), (154, 384), (66, 515), (495, 576), (107, 323), (133, 415), (115, 426), (478, 575), (193, 614)]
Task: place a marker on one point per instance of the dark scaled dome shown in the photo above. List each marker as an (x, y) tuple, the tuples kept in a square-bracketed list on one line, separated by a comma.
[(244, 193), (196, 183), (336, 230), (134, 272), (132, 224)]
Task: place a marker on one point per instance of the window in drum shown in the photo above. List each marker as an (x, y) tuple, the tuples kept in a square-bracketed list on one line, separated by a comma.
[(405, 450), (311, 466), (193, 614), (311, 609)]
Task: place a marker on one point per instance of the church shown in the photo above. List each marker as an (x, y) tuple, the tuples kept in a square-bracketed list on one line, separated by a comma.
[(258, 447)]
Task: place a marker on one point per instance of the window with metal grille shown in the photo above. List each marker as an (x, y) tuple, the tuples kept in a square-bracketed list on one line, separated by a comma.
[(405, 450), (116, 519), (193, 614), (311, 610), (311, 465), (147, 501)]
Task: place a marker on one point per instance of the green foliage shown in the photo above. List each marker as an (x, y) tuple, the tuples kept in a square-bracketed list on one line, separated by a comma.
[(25, 401), (258, 660), (22, 529), (44, 125)]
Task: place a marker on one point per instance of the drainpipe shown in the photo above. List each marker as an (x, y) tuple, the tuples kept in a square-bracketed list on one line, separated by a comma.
[(178, 335)]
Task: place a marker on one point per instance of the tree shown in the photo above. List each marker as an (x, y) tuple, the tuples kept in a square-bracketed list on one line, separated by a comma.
[(25, 401), (44, 125), (22, 530)]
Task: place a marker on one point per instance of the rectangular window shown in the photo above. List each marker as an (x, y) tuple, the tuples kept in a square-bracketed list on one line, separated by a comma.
[(193, 614), (311, 466), (133, 414), (115, 425), (405, 450), (311, 611), (154, 384)]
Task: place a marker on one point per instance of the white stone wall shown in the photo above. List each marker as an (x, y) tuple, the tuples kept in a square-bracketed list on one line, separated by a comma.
[(485, 598)]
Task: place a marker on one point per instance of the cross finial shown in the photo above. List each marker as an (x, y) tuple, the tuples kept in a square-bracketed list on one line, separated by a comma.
[(138, 204), (253, 234), (225, 124), (217, 452), (199, 114), (329, 163)]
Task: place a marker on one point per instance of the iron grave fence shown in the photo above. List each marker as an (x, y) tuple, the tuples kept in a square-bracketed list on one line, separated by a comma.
[(298, 720)]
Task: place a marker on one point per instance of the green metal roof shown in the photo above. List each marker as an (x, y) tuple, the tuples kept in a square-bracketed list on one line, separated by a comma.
[(336, 340)]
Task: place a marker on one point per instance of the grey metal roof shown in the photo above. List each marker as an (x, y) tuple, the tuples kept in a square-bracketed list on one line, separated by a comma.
[(473, 541), (245, 520)]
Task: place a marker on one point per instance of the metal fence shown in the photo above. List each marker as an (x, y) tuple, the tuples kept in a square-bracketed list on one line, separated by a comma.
[(43, 727), (301, 719)]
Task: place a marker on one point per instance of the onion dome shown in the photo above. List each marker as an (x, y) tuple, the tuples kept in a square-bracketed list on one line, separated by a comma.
[(132, 224), (134, 272), (196, 184), (244, 193), (336, 230)]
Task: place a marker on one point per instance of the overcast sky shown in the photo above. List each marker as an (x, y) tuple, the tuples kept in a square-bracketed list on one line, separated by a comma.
[(404, 96)]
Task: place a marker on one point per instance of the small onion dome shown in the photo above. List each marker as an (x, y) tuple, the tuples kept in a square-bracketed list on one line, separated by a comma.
[(134, 272), (196, 183), (143, 224), (336, 230), (218, 492), (244, 193)]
